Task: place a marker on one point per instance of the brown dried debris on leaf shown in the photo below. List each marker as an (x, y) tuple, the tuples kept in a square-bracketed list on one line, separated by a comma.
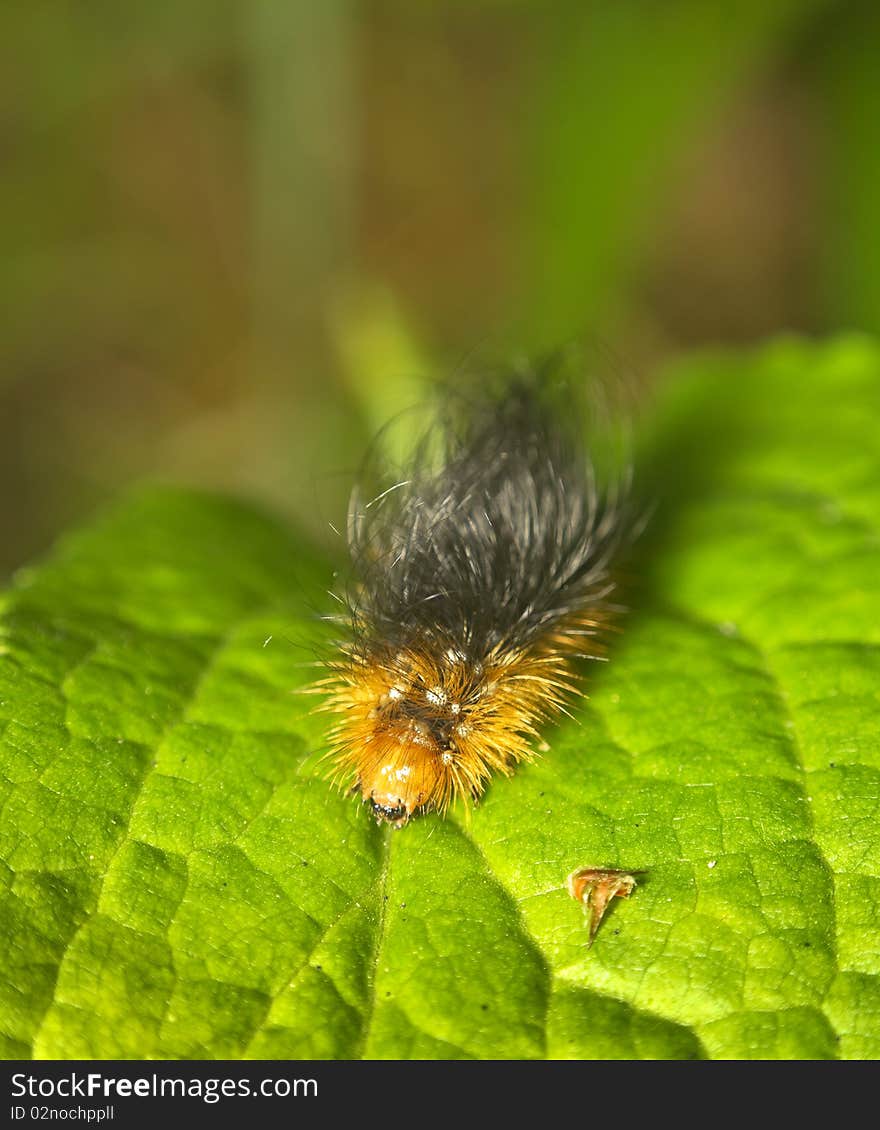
[(595, 887)]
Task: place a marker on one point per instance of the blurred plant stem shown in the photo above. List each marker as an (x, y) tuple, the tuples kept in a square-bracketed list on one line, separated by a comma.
[(302, 153), (624, 87), (303, 150), (848, 61)]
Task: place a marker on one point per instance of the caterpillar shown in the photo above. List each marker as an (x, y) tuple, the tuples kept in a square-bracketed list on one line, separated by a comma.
[(480, 578)]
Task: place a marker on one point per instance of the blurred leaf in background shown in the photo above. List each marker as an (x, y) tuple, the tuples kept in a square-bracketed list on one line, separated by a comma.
[(847, 104), (238, 234), (624, 91)]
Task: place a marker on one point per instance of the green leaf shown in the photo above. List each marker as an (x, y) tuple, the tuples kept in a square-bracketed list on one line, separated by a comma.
[(180, 881)]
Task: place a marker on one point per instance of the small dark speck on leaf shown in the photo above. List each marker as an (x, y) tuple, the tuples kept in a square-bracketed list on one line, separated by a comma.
[(484, 1007), (305, 863)]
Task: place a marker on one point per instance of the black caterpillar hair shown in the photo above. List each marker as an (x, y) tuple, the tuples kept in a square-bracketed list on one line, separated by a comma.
[(480, 576)]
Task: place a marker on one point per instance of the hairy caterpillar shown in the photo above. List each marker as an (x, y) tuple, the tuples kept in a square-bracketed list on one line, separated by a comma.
[(480, 578)]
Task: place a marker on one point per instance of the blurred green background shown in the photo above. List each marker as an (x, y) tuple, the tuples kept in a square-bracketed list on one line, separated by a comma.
[(237, 234)]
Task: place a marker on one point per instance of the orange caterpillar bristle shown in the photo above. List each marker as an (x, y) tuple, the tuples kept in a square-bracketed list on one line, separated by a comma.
[(478, 585)]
